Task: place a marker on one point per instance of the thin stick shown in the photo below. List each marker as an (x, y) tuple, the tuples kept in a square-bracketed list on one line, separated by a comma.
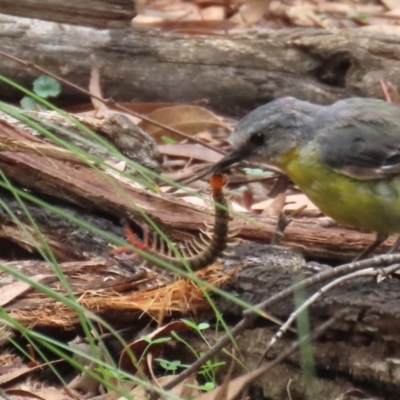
[(358, 274)]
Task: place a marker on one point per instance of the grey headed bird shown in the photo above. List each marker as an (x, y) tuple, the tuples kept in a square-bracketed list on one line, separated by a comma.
[(345, 157)]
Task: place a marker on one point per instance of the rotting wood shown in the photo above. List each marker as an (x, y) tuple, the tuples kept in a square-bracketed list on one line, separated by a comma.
[(117, 129), (96, 283), (233, 72), (67, 240), (103, 14)]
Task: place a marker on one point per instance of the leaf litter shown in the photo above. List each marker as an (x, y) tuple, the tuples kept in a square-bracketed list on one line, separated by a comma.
[(198, 17)]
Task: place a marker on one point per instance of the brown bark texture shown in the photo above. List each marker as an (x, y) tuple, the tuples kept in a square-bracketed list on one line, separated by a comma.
[(103, 14)]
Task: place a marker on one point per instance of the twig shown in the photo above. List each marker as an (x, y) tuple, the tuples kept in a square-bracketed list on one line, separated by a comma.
[(238, 384), (358, 274), (377, 261)]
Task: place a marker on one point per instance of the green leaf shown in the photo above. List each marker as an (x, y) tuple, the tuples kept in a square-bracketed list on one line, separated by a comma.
[(29, 104), (203, 325), (45, 86), (168, 140), (190, 324), (207, 386), (169, 365), (253, 171), (146, 339), (160, 340)]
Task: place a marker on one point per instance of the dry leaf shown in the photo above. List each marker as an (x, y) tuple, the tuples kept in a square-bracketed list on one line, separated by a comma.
[(140, 108), (170, 11), (197, 201), (188, 119), (235, 386), (275, 207), (296, 201), (213, 13), (251, 12), (293, 202), (182, 390), (15, 289), (16, 373), (48, 393), (343, 8), (391, 4), (84, 382), (238, 208), (139, 346), (188, 150)]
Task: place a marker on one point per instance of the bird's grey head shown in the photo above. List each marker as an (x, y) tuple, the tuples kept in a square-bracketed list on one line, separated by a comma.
[(270, 131)]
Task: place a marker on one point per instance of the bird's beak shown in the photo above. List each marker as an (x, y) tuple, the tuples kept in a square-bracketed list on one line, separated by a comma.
[(230, 159)]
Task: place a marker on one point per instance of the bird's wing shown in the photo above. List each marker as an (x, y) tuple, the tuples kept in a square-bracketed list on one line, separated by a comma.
[(362, 150)]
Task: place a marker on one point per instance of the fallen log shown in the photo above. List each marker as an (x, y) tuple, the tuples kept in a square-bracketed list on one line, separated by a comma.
[(94, 13), (234, 72)]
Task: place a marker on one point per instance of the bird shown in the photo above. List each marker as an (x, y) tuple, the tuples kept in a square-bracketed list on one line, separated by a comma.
[(345, 157)]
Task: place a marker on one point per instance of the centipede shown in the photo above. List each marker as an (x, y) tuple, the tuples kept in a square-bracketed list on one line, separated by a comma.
[(195, 254)]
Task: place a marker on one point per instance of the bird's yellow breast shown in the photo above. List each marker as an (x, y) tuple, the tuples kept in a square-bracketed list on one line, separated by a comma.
[(372, 205)]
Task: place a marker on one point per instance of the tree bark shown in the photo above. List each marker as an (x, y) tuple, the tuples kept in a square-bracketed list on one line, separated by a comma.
[(103, 14), (235, 73)]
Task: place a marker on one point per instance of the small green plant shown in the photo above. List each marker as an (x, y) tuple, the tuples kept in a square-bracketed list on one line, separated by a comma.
[(45, 87), (151, 342), (171, 366), (208, 370), (208, 386)]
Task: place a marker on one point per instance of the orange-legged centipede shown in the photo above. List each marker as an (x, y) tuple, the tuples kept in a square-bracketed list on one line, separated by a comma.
[(199, 256)]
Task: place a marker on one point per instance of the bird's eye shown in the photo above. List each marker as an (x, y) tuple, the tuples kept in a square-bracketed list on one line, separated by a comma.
[(257, 139)]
